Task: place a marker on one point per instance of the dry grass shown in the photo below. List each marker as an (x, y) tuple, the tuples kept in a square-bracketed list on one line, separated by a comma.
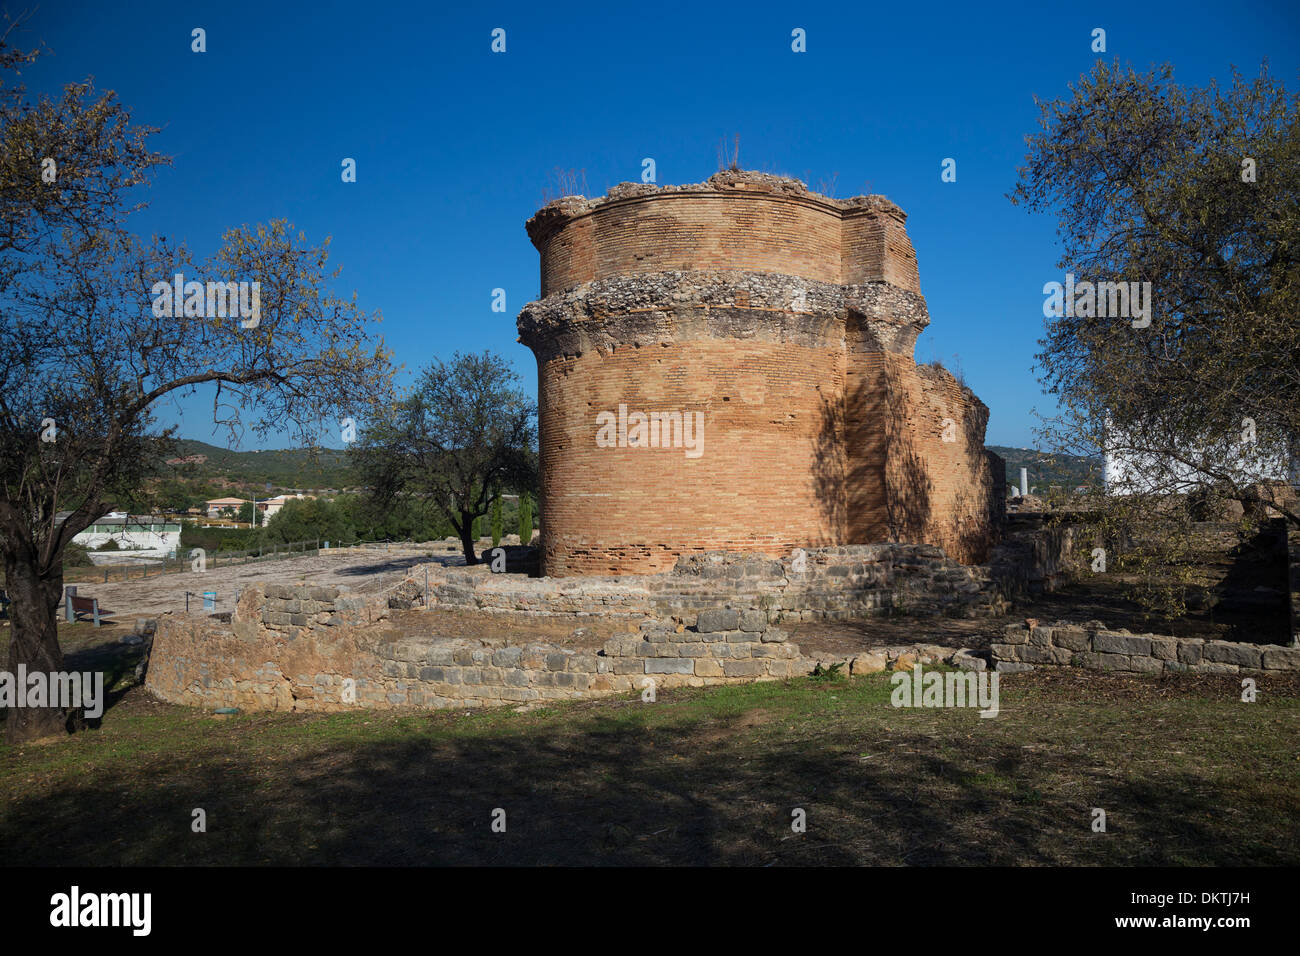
[(1187, 773)]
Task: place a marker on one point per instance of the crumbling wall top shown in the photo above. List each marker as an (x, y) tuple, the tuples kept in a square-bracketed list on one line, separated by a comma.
[(557, 212)]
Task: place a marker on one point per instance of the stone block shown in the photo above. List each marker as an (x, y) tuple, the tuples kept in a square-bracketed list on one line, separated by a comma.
[(507, 656), (1164, 648), (1012, 667), (1015, 634), (1229, 652), (1041, 636), (707, 667), (749, 668), (1036, 654), (1088, 659), (671, 665), (774, 635), (1189, 652), (1110, 642), (753, 620), (1214, 667), (713, 620), (1145, 665), (868, 664), (903, 662), (1281, 658), (1071, 638)]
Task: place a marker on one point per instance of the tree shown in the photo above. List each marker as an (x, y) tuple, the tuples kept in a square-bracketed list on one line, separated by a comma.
[(89, 349), (462, 432), (498, 523), (1196, 192), (1197, 390), (309, 519), (525, 518)]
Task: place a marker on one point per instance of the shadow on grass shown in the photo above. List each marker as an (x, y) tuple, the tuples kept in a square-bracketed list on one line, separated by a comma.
[(609, 792)]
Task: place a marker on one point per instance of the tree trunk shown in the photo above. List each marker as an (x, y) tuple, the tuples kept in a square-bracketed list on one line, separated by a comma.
[(466, 530), (34, 643)]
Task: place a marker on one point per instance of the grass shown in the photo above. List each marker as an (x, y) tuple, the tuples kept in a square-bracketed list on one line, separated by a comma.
[(1187, 774)]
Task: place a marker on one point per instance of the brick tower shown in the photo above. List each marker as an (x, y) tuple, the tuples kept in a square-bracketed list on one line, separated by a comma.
[(729, 366)]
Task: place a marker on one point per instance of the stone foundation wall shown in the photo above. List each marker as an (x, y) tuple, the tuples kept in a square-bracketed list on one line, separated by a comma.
[(1093, 646), (716, 618), (842, 583), (272, 657)]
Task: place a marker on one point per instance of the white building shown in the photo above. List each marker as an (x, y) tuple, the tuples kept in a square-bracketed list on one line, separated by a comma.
[(1131, 470), (141, 536), (271, 506)]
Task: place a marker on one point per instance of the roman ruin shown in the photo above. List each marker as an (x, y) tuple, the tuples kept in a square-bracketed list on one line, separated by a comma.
[(786, 321)]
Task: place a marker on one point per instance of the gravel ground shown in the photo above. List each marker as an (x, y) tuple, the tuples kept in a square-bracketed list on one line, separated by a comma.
[(357, 569)]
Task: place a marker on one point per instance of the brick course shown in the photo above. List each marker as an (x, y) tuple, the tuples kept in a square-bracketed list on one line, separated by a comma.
[(787, 320)]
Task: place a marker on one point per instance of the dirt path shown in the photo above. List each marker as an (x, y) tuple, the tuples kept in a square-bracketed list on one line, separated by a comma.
[(357, 569)]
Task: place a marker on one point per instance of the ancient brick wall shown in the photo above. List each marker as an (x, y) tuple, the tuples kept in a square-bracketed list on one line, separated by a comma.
[(742, 222), (784, 323), (924, 475)]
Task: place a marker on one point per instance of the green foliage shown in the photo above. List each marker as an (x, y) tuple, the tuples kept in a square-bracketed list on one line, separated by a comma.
[(216, 539), (525, 518), (498, 526), (76, 556), (831, 673), (289, 468), (310, 519), (110, 545), (1193, 191), (464, 433)]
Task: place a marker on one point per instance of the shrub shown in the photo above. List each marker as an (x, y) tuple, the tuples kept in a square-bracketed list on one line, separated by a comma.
[(525, 518)]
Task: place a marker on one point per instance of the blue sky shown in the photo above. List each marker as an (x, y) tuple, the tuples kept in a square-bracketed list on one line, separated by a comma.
[(454, 144)]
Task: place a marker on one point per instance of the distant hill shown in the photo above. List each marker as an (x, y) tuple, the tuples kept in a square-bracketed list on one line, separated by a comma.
[(283, 468), (1045, 470), (329, 468)]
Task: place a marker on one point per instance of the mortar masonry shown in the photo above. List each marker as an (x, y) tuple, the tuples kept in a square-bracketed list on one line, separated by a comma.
[(261, 661), (1093, 646)]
